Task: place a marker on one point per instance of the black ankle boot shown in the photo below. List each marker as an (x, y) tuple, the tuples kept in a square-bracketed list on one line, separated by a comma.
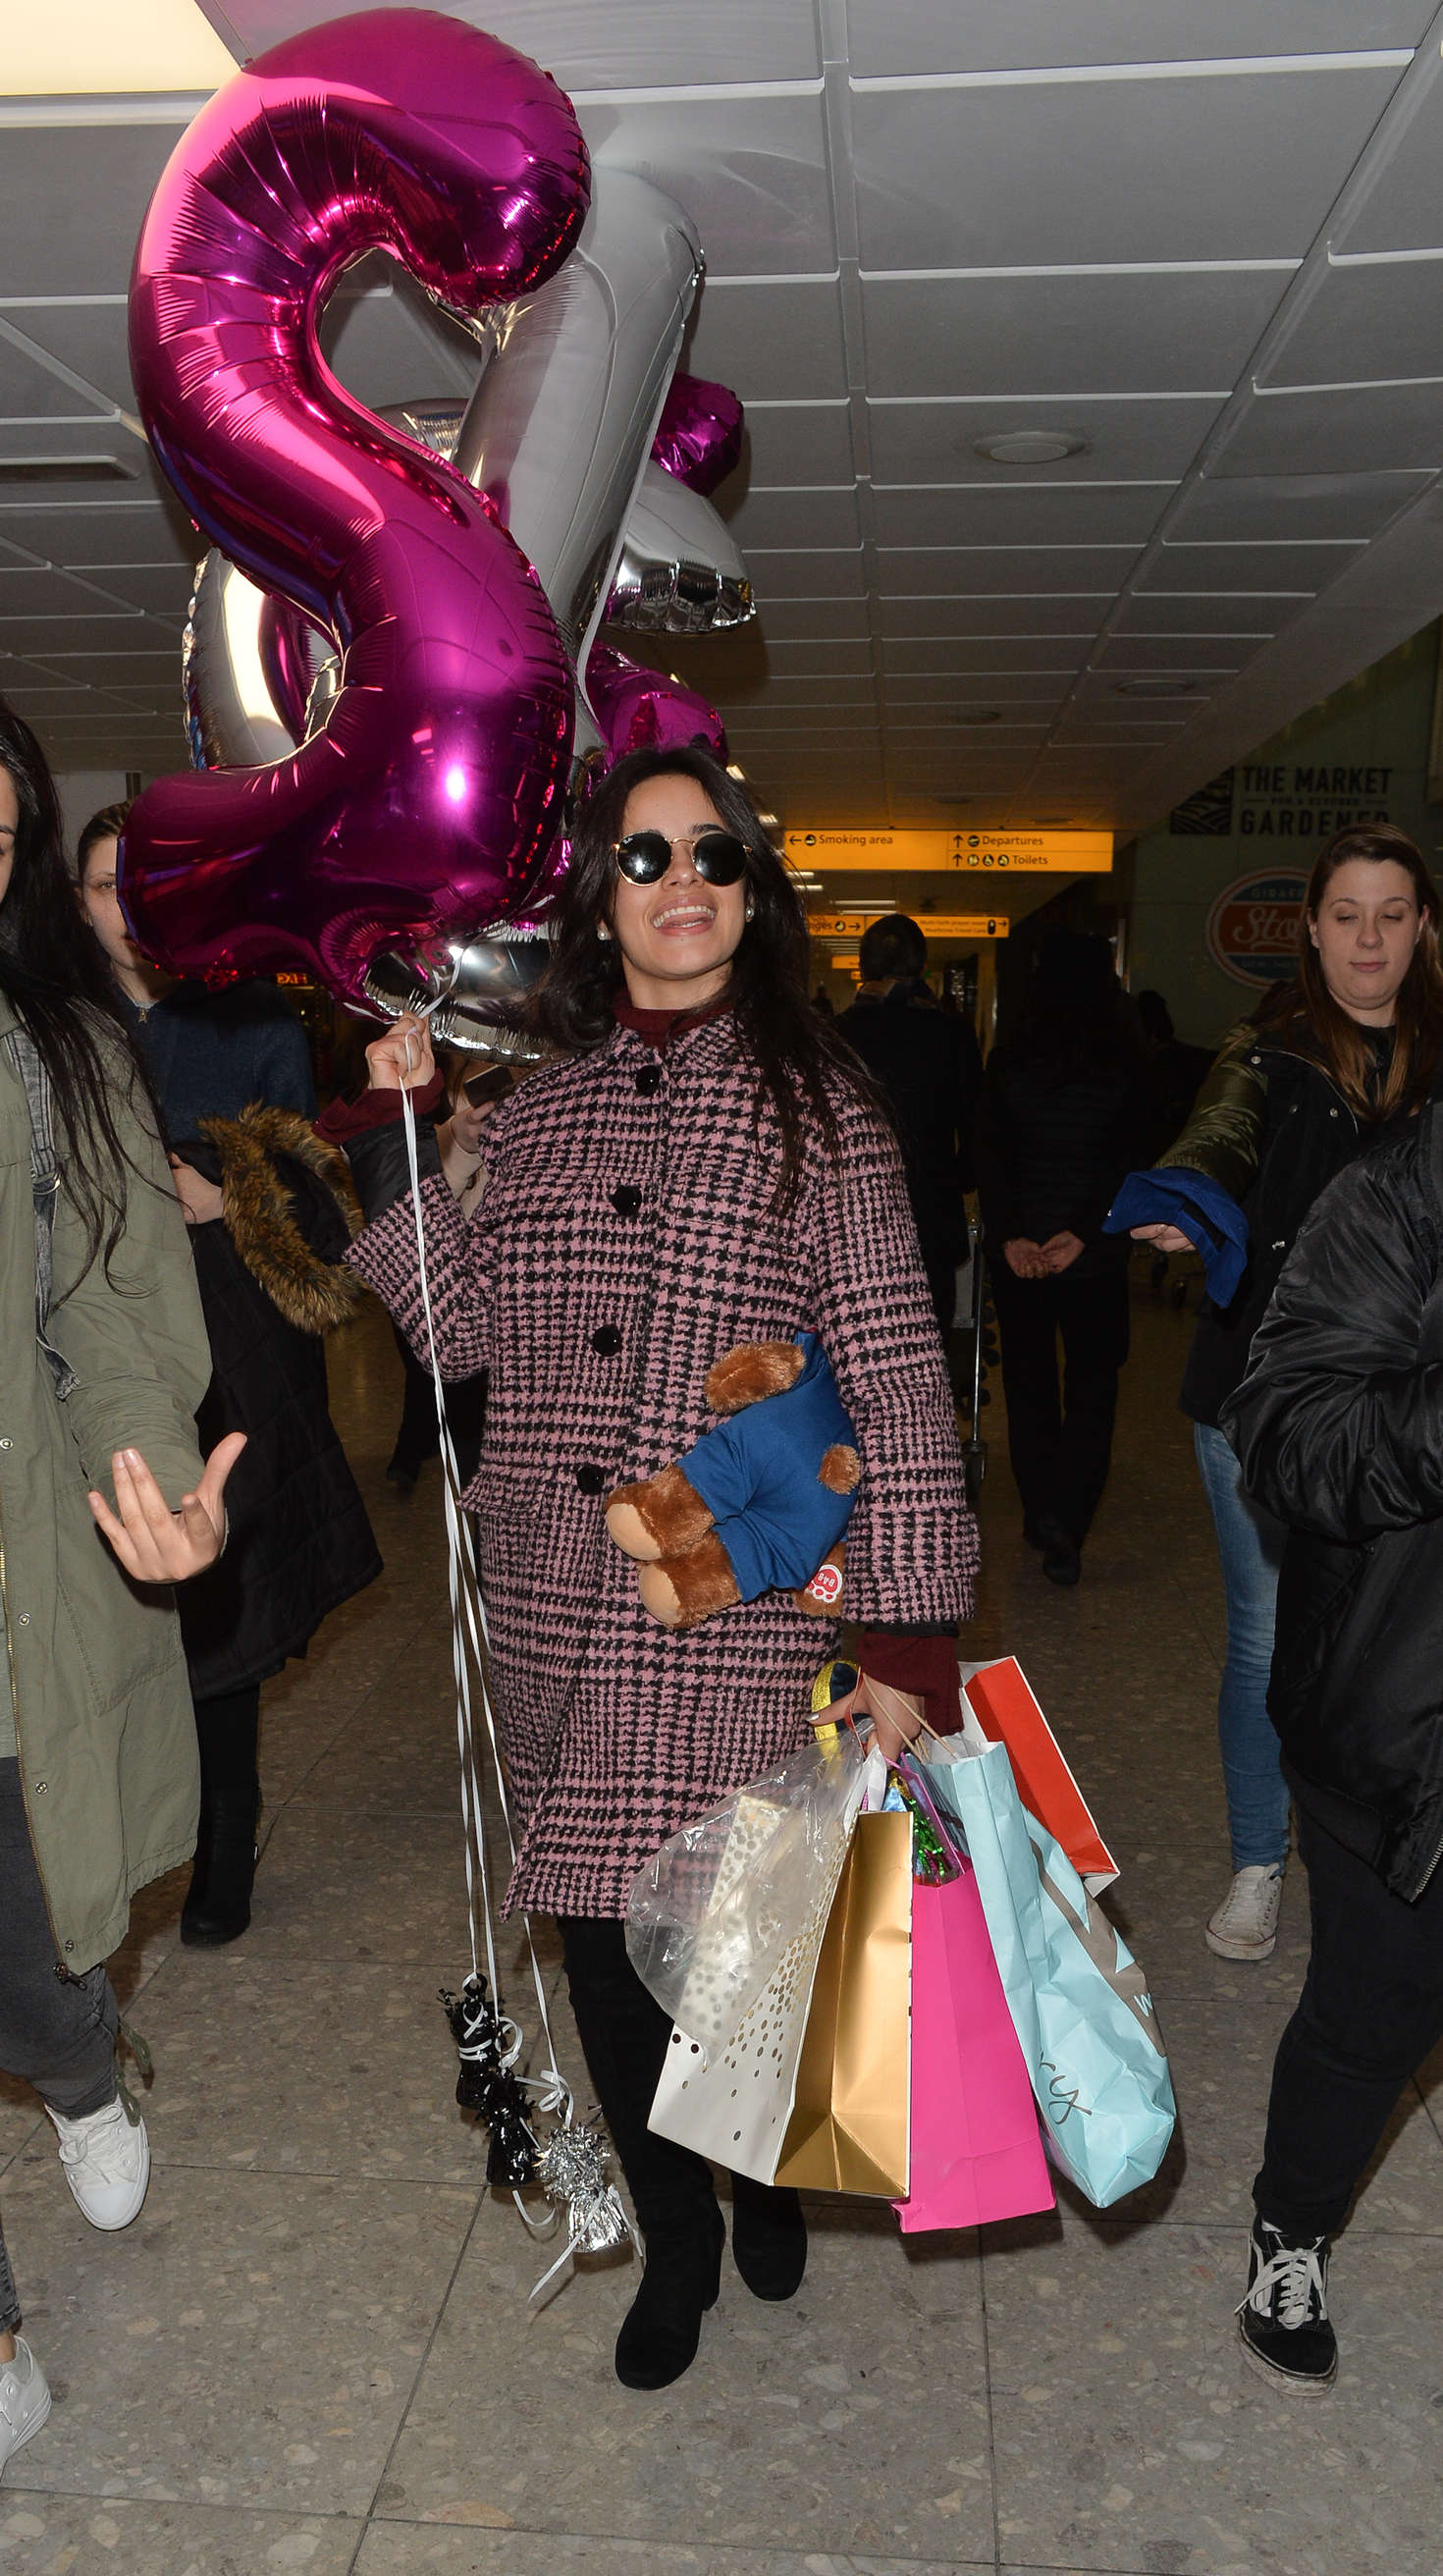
[(217, 1907), (769, 2238), (662, 2327)]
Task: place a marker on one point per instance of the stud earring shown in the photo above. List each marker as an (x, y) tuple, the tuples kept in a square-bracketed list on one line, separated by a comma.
[(602, 930), (751, 911)]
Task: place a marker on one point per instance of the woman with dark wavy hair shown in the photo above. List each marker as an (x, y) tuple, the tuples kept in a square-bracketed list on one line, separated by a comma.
[(700, 1165), (1329, 1061), (104, 1359)]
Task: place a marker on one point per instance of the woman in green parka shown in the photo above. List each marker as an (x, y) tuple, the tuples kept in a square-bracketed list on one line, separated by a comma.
[(103, 1506)]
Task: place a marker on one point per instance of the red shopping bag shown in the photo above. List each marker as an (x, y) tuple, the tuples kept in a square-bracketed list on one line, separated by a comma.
[(976, 2151), (1000, 1698)]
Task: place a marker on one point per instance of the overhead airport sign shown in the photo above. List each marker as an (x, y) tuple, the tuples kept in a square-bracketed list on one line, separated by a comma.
[(1054, 853), (937, 925)]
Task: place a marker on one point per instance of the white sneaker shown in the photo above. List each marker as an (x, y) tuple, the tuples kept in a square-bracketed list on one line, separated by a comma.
[(1245, 1925), (106, 2160), (24, 2401)]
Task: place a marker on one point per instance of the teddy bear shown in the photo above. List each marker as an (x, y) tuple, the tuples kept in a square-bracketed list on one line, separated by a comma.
[(760, 1503)]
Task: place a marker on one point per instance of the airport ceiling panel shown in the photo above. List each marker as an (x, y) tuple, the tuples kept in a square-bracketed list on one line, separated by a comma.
[(1090, 350), (1204, 165)]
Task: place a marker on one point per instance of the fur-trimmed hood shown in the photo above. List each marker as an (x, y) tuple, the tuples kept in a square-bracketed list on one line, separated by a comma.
[(289, 1235)]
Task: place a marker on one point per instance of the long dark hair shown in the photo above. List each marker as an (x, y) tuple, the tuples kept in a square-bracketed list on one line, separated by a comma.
[(797, 1058), (53, 974), (1304, 1015)]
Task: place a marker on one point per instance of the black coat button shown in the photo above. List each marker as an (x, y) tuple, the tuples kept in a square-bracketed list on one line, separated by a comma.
[(606, 1341), (648, 1080), (626, 1200), (592, 1480)]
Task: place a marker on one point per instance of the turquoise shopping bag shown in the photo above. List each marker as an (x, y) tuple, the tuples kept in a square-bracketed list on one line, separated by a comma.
[(1078, 1999)]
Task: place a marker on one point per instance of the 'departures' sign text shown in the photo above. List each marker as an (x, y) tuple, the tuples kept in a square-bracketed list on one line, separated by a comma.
[(1056, 853)]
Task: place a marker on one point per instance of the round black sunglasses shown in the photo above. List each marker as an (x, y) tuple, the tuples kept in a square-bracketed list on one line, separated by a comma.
[(644, 857)]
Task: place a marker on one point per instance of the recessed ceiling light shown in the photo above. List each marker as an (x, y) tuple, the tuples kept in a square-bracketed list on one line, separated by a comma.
[(90, 46), (1031, 446), (1155, 689)]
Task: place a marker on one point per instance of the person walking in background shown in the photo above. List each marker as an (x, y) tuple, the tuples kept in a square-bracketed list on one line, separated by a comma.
[(926, 1063), (209, 1054), (1329, 1059), (104, 1358), (269, 1226), (1067, 1105), (1179, 1070), (699, 1166)]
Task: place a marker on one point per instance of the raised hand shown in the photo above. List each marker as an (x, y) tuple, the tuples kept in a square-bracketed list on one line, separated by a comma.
[(153, 1543), (402, 1059)]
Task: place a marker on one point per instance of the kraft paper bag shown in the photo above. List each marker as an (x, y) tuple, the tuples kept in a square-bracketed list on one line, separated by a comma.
[(1000, 1698), (977, 2153), (849, 2129)]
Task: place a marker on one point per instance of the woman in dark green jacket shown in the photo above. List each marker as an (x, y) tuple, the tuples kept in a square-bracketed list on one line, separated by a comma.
[(103, 1359), (1330, 1061)]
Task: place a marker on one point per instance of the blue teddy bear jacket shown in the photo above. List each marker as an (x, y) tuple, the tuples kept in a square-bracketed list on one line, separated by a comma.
[(758, 1475)]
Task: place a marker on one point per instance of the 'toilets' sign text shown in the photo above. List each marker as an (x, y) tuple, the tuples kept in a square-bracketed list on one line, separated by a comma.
[(1055, 853)]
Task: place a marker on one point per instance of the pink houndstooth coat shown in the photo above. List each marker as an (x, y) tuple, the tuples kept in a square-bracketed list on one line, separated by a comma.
[(622, 1242)]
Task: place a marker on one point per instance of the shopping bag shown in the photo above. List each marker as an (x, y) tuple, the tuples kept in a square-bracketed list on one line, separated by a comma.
[(731, 2098), (976, 2153), (1000, 1697), (1078, 1999), (718, 1909), (849, 2125), (736, 2103)]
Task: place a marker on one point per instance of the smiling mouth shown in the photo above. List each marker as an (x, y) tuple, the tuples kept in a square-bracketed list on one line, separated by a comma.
[(684, 916)]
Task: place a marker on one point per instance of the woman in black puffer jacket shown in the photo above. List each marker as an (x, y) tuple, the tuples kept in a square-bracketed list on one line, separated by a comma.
[(1330, 1061), (1339, 1427)]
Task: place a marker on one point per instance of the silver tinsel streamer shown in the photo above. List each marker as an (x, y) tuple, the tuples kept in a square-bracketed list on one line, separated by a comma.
[(573, 2171)]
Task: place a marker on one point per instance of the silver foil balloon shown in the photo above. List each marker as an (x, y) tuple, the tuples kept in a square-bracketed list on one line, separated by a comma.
[(559, 430), (681, 570), (462, 986)]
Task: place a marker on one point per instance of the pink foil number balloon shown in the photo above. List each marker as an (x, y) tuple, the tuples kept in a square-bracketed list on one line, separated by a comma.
[(429, 799)]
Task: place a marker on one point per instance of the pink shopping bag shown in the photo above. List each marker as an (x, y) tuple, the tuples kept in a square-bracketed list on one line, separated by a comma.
[(976, 2153)]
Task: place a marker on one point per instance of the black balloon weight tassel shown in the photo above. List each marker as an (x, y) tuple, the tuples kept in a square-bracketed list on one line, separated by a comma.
[(489, 2087)]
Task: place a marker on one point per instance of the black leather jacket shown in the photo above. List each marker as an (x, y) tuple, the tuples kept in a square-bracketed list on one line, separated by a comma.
[(1339, 1426)]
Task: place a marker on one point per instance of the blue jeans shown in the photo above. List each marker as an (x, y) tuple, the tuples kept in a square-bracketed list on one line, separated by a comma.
[(1250, 1547)]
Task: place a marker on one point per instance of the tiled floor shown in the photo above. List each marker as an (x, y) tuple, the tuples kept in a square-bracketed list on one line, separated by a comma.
[(314, 2353)]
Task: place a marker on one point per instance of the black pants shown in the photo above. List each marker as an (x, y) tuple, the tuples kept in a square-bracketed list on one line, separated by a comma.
[(1370, 2010), (56, 2031), (1060, 1439), (625, 2035)]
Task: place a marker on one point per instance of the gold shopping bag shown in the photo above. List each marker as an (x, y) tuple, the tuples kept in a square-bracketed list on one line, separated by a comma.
[(849, 2129)]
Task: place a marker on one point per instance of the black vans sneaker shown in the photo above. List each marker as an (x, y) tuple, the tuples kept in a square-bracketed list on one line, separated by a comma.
[(1283, 2320)]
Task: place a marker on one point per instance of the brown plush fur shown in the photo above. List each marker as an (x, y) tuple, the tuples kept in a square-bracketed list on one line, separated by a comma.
[(754, 1369), (841, 1469), (824, 1603), (660, 1518), (312, 1294), (680, 1590)]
